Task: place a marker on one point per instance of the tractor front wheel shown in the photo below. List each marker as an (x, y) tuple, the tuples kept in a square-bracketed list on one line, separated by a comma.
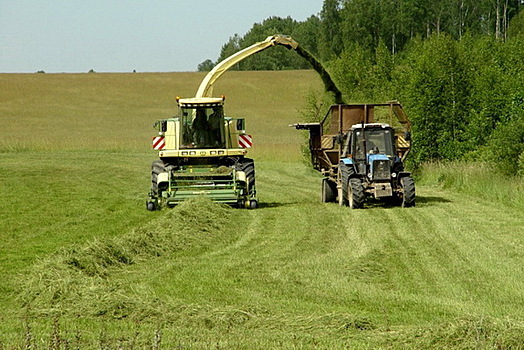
[(343, 178), (356, 195), (408, 192)]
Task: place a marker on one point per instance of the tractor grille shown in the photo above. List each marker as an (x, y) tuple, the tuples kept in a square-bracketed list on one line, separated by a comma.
[(381, 169)]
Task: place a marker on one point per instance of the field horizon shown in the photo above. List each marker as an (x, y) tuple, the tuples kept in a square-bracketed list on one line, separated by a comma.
[(85, 265)]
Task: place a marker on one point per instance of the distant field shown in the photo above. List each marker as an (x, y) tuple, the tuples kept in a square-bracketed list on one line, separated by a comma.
[(84, 265), (117, 111)]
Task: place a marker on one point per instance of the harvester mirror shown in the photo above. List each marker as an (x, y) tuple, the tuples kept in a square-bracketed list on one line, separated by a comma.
[(161, 125), (241, 124), (407, 136)]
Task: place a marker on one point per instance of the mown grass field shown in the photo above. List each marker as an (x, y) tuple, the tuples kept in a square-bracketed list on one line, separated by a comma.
[(84, 265)]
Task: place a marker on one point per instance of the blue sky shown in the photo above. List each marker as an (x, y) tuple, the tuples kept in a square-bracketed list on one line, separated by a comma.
[(122, 35)]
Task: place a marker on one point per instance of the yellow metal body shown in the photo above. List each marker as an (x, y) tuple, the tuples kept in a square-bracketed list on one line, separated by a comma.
[(206, 86)]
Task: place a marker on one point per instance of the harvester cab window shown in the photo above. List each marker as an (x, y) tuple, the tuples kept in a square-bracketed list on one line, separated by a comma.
[(202, 127)]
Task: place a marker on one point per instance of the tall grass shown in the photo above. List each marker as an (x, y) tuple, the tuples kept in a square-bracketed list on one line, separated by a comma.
[(480, 180)]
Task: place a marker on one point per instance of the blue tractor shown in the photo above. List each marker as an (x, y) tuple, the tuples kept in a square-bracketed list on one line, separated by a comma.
[(360, 150)]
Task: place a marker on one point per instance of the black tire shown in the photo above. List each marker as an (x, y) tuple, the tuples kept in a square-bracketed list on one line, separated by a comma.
[(253, 204), (329, 191), (356, 194), (408, 192), (157, 167), (343, 177), (151, 206), (345, 173), (247, 165)]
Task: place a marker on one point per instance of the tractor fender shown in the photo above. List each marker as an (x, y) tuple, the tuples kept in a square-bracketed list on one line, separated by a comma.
[(347, 161)]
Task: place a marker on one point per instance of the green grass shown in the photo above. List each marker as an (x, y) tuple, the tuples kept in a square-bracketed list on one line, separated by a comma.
[(84, 265), (477, 179)]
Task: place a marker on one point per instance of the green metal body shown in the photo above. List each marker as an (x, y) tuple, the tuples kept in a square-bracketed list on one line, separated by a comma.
[(219, 184)]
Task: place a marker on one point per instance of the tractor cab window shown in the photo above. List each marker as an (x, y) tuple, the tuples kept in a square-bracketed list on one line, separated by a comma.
[(202, 127), (376, 140)]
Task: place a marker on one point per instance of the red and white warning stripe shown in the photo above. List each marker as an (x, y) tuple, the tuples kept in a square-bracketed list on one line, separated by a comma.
[(245, 141), (159, 143)]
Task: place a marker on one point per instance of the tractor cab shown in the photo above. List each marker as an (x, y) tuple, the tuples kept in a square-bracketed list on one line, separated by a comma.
[(371, 149), (371, 139)]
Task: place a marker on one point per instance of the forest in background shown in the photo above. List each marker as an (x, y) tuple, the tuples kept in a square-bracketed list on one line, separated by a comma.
[(455, 65)]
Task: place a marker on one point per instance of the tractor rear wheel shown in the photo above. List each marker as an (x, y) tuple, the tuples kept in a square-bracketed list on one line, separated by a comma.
[(408, 192), (329, 191), (356, 195)]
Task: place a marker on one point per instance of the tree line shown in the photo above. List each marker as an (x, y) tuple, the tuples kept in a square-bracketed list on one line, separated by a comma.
[(456, 66)]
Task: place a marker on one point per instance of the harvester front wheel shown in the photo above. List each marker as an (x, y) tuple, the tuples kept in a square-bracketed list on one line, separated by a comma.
[(253, 204), (247, 165), (151, 206), (157, 167)]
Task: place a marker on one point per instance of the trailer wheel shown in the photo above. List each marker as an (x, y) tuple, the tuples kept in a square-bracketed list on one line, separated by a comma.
[(356, 195), (408, 192), (329, 191)]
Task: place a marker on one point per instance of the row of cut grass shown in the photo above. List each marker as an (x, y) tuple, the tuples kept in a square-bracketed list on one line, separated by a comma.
[(85, 265)]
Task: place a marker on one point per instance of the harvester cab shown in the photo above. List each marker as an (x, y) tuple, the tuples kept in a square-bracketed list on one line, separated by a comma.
[(202, 152), (361, 155)]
